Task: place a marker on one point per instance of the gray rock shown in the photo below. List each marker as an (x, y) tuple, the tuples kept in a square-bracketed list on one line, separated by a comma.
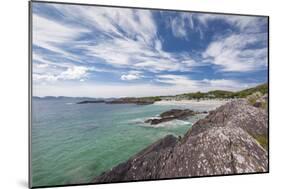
[(224, 142)]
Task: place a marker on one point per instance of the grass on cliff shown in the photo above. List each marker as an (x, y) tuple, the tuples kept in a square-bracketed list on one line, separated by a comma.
[(257, 97), (262, 140), (262, 89)]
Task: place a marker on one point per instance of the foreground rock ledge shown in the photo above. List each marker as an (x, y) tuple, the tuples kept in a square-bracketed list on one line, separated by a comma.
[(225, 142)]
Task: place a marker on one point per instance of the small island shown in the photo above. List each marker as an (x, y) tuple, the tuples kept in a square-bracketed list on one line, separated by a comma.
[(91, 101), (137, 101)]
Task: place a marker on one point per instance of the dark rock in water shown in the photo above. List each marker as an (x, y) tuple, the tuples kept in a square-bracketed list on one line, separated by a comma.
[(177, 113), (90, 101), (171, 115), (224, 142), (156, 121)]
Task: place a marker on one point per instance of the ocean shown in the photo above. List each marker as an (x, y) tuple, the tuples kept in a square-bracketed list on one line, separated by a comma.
[(73, 143)]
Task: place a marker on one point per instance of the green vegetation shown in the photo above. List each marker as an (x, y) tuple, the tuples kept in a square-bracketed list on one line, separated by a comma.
[(197, 95), (256, 99), (259, 90), (262, 140), (262, 89), (154, 98)]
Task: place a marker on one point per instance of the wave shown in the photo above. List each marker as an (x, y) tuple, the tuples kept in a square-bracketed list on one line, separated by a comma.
[(168, 124), (69, 103)]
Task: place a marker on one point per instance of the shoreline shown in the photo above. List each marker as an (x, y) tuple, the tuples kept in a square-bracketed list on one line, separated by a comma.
[(182, 157), (188, 102)]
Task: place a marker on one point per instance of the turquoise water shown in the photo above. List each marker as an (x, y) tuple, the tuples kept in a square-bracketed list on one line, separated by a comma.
[(73, 143)]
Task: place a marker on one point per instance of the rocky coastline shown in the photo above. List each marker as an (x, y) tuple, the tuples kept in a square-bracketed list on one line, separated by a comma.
[(137, 101), (231, 139), (90, 101)]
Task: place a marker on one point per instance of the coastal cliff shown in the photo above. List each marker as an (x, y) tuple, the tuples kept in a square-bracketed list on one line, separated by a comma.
[(229, 140)]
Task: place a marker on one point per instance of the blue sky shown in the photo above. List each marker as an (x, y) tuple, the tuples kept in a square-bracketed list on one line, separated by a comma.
[(117, 52)]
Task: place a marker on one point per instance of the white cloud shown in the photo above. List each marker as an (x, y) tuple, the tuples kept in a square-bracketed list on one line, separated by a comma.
[(43, 77), (178, 27), (50, 34), (225, 84), (124, 52), (126, 38), (129, 77), (71, 73), (75, 72), (113, 21), (41, 65), (191, 85), (181, 24), (232, 53), (132, 75), (123, 42), (177, 80), (176, 85), (243, 23)]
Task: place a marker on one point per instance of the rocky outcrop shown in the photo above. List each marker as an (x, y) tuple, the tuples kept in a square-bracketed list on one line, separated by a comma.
[(171, 115), (138, 101), (90, 101), (224, 142)]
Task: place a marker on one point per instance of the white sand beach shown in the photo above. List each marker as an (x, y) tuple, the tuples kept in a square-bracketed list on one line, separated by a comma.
[(198, 105)]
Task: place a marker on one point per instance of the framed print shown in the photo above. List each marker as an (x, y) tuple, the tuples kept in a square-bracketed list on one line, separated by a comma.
[(123, 94)]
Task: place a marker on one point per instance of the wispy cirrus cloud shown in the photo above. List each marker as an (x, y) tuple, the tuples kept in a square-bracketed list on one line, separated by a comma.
[(247, 24), (181, 24), (235, 52), (50, 34), (180, 81), (189, 51), (128, 37)]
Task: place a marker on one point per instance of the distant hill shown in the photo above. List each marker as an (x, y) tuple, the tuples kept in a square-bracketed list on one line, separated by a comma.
[(68, 98), (263, 89)]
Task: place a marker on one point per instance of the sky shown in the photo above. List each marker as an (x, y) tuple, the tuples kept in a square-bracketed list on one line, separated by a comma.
[(106, 52)]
